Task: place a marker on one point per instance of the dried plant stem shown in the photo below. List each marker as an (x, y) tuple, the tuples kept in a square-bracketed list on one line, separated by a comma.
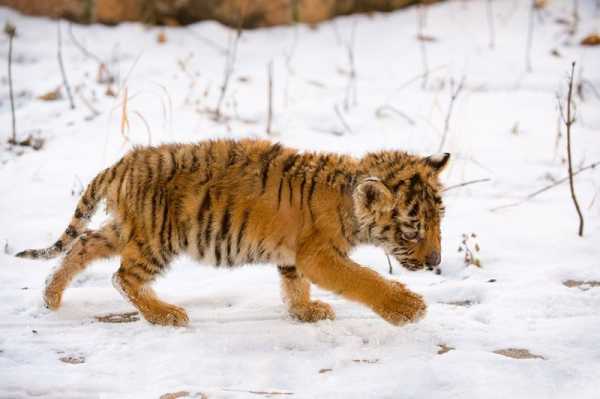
[(530, 37), (270, 97), (467, 183), (490, 18), (62, 67), (350, 98), (341, 118), (81, 47), (10, 88), (230, 58), (544, 189), (568, 122), (453, 96), (421, 15)]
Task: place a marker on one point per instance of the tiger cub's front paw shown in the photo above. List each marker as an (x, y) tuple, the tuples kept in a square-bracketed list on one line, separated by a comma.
[(401, 306), (312, 311)]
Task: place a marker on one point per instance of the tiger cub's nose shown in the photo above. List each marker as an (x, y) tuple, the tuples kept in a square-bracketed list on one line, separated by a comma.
[(433, 259)]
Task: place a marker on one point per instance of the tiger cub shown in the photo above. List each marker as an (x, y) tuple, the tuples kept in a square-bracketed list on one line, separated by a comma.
[(231, 203)]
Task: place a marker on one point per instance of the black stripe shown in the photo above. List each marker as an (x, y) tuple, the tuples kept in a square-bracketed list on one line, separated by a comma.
[(302, 190), (291, 191), (240, 234), (289, 163), (288, 271), (266, 159), (218, 253), (164, 220), (226, 221), (208, 230), (71, 231), (155, 200), (228, 253), (337, 250), (173, 165), (279, 192), (313, 183), (342, 225)]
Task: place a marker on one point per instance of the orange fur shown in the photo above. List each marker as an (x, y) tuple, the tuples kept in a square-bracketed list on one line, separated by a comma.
[(235, 202)]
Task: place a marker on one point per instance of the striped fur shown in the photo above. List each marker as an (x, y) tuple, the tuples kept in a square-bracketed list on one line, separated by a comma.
[(230, 203)]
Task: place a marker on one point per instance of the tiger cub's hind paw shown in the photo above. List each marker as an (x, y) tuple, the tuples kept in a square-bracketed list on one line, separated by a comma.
[(312, 311)]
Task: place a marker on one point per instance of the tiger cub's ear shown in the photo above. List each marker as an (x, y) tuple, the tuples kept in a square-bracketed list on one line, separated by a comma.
[(372, 195), (438, 161)]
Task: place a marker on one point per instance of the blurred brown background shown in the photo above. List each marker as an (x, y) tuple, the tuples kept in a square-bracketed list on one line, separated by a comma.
[(235, 13)]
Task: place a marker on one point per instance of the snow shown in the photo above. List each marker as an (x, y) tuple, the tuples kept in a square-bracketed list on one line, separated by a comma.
[(241, 339)]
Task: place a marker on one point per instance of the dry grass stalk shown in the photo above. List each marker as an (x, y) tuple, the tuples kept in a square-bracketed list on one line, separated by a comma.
[(270, 96), (453, 96), (568, 122), (467, 183), (546, 188), (62, 66), (11, 32), (490, 18), (124, 117), (529, 42)]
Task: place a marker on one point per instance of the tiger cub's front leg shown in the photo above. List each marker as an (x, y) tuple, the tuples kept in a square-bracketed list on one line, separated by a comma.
[(296, 295)]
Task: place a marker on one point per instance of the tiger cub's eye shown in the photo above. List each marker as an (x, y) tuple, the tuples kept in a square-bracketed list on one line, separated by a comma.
[(411, 234)]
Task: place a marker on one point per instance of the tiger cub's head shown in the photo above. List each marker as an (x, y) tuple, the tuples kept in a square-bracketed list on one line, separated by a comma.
[(398, 206)]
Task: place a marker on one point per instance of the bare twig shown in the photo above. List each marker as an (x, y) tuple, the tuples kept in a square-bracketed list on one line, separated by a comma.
[(575, 21), (490, 18), (381, 111), (421, 16), (230, 59), (11, 32), (341, 117), (81, 47), (467, 183), (62, 67), (546, 188), (87, 103), (453, 96), (146, 124), (530, 36), (351, 87), (568, 122), (270, 97)]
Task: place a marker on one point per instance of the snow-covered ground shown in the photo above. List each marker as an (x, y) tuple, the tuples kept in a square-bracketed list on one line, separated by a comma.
[(241, 343)]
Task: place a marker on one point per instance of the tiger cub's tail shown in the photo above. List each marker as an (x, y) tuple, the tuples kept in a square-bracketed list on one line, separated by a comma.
[(88, 202)]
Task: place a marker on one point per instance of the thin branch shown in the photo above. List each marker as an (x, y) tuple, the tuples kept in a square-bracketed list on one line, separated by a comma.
[(530, 37), (351, 87), (569, 121), (62, 67), (490, 18), (467, 183), (453, 96), (380, 112), (341, 117), (81, 47), (11, 32), (230, 59), (270, 97), (421, 15), (546, 188)]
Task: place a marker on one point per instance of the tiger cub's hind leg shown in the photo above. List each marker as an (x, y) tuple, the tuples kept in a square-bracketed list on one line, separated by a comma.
[(89, 246), (296, 295), (133, 280)]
